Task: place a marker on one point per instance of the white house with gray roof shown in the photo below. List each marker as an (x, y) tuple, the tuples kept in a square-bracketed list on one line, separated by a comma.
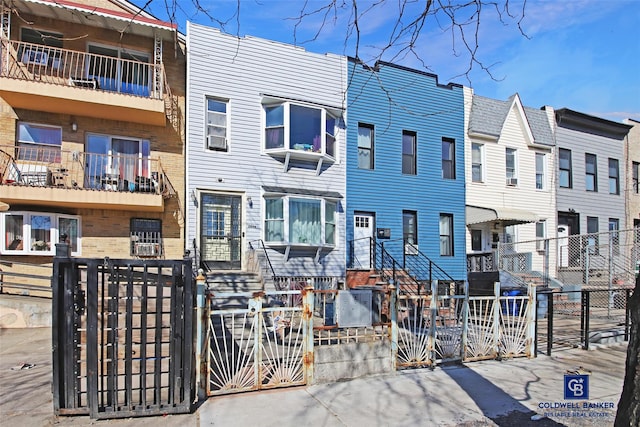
[(510, 195)]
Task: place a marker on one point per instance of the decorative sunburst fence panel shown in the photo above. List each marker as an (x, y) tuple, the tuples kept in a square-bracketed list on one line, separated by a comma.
[(258, 345), (453, 326)]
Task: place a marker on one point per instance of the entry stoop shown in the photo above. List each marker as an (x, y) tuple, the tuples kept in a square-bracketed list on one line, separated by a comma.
[(233, 282)]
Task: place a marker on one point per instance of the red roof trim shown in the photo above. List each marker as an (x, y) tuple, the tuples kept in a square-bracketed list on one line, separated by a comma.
[(115, 13)]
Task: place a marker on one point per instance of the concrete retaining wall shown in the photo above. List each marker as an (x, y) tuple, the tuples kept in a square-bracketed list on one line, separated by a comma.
[(352, 360), (24, 312)]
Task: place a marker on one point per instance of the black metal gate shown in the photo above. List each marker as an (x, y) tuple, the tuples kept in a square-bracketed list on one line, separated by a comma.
[(122, 337)]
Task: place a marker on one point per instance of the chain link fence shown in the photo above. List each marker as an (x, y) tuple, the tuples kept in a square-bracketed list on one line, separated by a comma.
[(599, 261)]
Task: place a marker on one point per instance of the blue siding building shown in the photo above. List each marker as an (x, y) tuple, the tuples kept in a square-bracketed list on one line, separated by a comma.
[(405, 166)]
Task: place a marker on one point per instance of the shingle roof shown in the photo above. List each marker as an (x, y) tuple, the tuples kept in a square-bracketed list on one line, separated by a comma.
[(488, 116)]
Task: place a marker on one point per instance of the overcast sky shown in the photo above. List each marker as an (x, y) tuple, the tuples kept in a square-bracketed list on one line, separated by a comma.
[(578, 54)]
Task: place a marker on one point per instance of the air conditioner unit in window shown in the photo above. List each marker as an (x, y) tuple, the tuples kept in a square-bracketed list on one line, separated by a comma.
[(540, 245), (216, 142), (410, 249), (146, 249), (512, 182)]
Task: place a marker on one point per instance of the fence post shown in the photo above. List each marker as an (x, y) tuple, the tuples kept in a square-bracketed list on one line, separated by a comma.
[(61, 305), (308, 299), (549, 322), (627, 314), (585, 317), (465, 320), (433, 309), (496, 318), (255, 311), (532, 319), (202, 324), (393, 310)]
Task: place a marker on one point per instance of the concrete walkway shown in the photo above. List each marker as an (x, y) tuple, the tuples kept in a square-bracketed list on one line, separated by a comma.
[(487, 393)]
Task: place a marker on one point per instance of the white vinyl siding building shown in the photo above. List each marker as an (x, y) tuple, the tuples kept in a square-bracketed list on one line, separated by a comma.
[(265, 153), (510, 150)]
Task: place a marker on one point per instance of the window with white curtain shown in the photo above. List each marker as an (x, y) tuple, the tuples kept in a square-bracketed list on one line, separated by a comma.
[(36, 233), (300, 220), (365, 146), (446, 234), (125, 159)]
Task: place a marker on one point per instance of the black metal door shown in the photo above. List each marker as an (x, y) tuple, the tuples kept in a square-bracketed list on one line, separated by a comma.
[(221, 231), (122, 337)]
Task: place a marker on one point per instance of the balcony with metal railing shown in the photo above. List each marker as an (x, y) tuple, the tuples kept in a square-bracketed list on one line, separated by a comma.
[(63, 178), (85, 84)]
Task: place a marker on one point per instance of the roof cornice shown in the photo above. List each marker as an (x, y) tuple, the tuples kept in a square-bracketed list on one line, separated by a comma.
[(580, 121)]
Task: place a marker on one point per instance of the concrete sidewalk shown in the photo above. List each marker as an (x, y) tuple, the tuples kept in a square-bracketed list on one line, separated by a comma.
[(487, 393)]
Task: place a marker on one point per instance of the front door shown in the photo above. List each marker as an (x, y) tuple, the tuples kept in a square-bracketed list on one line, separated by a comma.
[(221, 235), (362, 240)]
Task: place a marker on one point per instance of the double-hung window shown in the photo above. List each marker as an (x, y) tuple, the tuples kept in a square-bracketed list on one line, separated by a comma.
[(477, 171), (409, 153), (540, 168), (448, 158), (634, 172), (36, 233), (591, 172), (593, 229), (564, 156), (300, 220), (511, 167), (300, 128), (217, 124), (446, 234), (614, 235), (614, 177), (365, 146)]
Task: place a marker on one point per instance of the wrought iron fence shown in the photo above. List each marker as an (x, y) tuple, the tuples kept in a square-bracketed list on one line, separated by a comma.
[(36, 165), (47, 64), (580, 318)]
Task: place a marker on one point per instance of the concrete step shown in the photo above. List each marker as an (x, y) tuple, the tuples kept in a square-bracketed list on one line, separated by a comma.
[(234, 281)]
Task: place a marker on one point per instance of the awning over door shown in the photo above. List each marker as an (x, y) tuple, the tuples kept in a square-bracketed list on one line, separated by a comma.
[(507, 216)]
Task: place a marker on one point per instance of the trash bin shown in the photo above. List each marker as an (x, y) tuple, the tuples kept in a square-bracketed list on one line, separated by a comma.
[(511, 306), (542, 306), (329, 314)]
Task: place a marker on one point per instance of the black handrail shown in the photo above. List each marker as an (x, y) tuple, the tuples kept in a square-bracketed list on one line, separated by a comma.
[(418, 264), (266, 255)]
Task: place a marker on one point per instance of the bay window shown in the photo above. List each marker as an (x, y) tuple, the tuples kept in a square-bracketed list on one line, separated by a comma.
[(300, 221), (36, 233), (299, 128)]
